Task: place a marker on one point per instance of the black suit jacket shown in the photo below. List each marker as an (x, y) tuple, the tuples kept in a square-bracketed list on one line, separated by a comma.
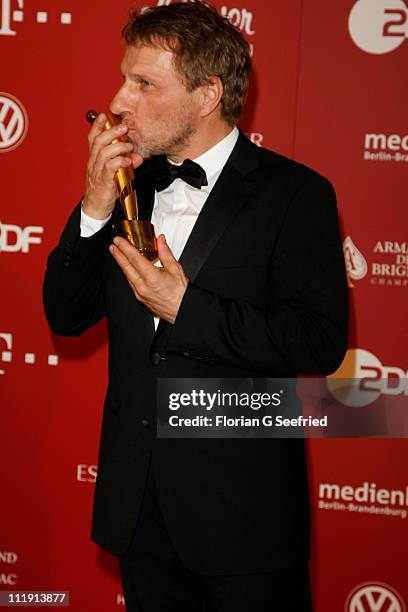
[(267, 297)]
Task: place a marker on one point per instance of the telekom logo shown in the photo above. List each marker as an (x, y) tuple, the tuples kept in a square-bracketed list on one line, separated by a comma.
[(8, 15), (6, 356), (374, 597), (12, 11), (13, 122), (378, 26)]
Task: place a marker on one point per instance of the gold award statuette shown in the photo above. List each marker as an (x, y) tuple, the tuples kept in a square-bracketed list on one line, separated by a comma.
[(137, 232)]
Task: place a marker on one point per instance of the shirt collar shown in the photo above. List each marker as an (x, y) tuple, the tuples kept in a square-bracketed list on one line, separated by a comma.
[(214, 159)]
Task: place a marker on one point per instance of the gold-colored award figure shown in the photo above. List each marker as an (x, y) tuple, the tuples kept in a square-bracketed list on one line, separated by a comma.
[(137, 232)]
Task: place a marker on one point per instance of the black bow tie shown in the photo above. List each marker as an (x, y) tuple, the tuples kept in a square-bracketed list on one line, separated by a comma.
[(165, 173)]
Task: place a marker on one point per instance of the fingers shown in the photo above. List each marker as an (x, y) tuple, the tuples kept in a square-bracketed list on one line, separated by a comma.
[(127, 264), (98, 132), (109, 159), (143, 266), (160, 290), (104, 138), (165, 254), (133, 266), (137, 160), (140, 263), (108, 151), (97, 128)]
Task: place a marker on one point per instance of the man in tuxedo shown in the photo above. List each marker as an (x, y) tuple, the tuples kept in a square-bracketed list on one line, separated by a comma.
[(251, 283)]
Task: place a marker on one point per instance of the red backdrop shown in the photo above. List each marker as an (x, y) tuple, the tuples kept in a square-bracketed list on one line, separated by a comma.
[(329, 89)]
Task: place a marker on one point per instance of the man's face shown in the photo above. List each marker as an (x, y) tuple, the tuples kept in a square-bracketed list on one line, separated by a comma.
[(161, 114)]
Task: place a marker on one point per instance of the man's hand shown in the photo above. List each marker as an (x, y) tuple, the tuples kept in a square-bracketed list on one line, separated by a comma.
[(105, 158), (159, 289)]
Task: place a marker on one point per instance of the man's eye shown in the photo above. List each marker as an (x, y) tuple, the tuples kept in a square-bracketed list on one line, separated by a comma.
[(145, 83)]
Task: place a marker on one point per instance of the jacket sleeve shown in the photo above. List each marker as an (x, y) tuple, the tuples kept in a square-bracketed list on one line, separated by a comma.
[(304, 329), (72, 289)]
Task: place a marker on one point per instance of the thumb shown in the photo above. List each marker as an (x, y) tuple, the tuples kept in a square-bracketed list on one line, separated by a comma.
[(165, 255), (137, 160)]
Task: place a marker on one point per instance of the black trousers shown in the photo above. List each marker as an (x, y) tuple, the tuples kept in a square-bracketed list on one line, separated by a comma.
[(154, 579)]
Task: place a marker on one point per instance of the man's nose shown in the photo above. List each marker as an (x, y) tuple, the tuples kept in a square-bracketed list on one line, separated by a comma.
[(117, 104), (122, 102)]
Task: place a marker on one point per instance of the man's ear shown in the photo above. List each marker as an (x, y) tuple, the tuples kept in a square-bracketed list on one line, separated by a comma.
[(211, 94)]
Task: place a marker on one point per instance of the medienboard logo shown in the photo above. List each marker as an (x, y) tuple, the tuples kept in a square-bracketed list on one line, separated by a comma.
[(366, 498), (378, 26), (388, 266), (374, 597), (13, 122), (380, 147), (362, 379)]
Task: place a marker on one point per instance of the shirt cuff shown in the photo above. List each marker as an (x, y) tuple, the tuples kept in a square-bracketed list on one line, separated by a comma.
[(90, 226)]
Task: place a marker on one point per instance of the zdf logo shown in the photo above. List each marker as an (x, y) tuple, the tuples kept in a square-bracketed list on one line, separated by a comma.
[(362, 379), (378, 26), (13, 122), (374, 597), (14, 238)]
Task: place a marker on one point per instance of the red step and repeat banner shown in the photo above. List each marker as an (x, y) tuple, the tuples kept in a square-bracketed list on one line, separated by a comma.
[(330, 89)]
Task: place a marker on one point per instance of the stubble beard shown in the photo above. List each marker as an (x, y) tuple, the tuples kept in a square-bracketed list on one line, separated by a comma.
[(171, 136)]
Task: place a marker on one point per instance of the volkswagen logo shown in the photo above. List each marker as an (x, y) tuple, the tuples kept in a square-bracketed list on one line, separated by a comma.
[(13, 122), (374, 597)]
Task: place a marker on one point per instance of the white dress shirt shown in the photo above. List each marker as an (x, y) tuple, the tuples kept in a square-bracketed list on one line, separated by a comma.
[(177, 207)]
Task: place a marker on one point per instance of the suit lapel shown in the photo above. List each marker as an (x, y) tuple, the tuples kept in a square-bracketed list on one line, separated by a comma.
[(228, 196)]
